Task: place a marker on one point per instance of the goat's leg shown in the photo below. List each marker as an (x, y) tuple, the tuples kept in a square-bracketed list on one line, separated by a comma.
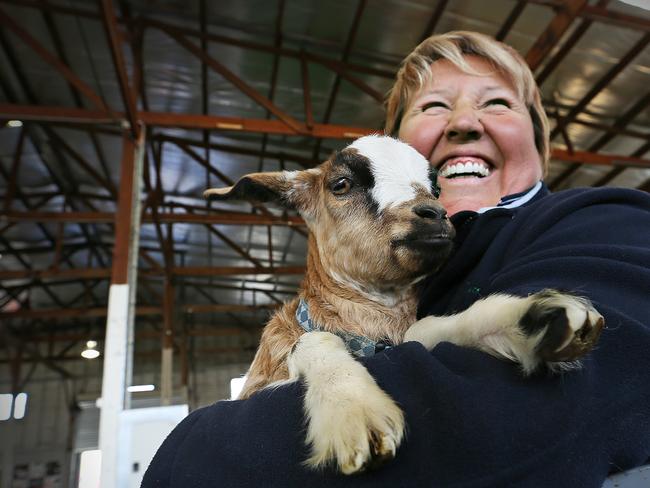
[(351, 421), (269, 367), (546, 327)]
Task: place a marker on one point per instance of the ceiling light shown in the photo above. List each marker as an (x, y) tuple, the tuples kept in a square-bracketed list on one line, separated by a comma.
[(137, 388), (90, 352), (14, 123)]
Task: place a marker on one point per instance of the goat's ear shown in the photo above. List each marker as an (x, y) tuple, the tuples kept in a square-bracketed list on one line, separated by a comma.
[(286, 188)]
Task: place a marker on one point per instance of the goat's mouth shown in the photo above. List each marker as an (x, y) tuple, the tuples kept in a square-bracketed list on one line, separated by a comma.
[(427, 241)]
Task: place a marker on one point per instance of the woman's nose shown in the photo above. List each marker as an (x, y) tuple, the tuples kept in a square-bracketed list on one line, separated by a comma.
[(464, 125)]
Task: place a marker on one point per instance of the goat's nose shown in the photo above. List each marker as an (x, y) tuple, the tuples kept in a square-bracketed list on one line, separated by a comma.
[(430, 212)]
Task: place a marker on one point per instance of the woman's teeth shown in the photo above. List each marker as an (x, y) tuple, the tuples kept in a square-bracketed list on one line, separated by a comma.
[(467, 168)]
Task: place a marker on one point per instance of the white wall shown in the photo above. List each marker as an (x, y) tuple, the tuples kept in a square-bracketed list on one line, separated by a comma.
[(44, 433)]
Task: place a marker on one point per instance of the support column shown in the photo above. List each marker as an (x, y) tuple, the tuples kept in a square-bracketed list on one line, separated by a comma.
[(118, 345), (167, 359)]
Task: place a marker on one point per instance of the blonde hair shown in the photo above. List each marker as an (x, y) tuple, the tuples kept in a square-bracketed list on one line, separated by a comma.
[(415, 72)]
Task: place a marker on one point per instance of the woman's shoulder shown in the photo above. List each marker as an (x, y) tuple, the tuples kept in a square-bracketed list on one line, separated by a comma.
[(581, 197)]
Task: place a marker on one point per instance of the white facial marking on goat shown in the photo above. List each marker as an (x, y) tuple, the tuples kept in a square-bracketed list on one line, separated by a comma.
[(396, 166)]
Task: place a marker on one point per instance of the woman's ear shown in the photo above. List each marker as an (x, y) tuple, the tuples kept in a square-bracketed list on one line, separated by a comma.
[(290, 189)]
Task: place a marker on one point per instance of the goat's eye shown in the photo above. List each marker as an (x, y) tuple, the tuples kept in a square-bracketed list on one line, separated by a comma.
[(341, 186)]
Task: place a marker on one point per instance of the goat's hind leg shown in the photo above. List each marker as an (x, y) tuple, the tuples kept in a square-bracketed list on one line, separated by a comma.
[(548, 327), (351, 421)]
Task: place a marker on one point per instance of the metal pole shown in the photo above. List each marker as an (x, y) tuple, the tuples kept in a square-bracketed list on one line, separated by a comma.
[(118, 346)]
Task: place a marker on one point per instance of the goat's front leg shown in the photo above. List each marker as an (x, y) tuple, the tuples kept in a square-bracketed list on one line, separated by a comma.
[(549, 327), (351, 421)]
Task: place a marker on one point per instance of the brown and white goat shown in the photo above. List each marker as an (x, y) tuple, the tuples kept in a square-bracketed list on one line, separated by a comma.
[(375, 230)]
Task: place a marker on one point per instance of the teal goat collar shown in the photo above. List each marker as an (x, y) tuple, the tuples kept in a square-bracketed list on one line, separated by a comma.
[(358, 346)]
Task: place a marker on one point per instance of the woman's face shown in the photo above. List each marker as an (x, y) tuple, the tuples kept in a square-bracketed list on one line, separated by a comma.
[(476, 131)]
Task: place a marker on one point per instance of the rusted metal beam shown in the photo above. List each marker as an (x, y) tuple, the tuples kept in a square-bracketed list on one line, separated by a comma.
[(238, 149), (13, 173), (115, 44), (325, 131), (52, 60), (347, 48), (51, 361), (43, 113), (610, 131), (616, 171), (234, 246), (105, 273), (211, 169), (236, 270), (563, 19), (612, 17), (353, 80), (85, 165), (510, 20), (124, 217), (603, 15), (617, 128), (600, 159), (222, 308), (306, 93), (71, 313), (603, 82), (60, 51), (576, 35), (216, 218), (434, 19), (240, 84), (220, 331), (63, 115), (267, 48)]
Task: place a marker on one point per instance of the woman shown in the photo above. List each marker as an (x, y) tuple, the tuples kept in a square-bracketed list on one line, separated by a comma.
[(470, 105)]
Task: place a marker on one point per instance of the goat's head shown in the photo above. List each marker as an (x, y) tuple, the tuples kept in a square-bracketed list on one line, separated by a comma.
[(369, 208)]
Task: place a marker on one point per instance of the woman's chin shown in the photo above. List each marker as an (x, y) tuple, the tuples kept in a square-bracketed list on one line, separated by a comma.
[(467, 194)]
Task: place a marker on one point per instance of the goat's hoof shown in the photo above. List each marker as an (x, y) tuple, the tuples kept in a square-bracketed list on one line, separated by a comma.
[(379, 450), (363, 433), (571, 325)]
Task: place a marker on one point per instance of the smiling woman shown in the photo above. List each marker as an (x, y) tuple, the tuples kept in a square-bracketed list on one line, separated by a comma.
[(476, 131), (476, 118), (470, 106)]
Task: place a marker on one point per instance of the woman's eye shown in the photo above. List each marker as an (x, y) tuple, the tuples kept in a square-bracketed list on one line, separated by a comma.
[(429, 105), (498, 101), (341, 186)]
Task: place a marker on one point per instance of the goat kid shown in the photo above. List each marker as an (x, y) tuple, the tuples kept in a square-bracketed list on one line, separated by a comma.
[(375, 230)]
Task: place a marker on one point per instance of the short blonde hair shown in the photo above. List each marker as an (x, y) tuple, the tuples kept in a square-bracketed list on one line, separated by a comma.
[(415, 72)]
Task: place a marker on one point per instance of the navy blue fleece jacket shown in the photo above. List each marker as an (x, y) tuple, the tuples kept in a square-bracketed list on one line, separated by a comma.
[(473, 421)]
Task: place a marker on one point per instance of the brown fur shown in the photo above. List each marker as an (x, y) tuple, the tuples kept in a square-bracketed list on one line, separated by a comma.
[(357, 279)]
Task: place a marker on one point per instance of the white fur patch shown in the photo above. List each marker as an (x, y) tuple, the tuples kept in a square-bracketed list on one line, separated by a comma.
[(396, 166)]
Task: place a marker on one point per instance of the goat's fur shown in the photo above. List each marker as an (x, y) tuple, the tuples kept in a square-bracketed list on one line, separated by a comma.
[(375, 230)]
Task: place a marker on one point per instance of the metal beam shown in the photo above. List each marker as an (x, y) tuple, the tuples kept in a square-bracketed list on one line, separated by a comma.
[(602, 83), (246, 89), (45, 114), (563, 19), (105, 273), (52, 60), (115, 44), (576, 35), (217, 217), (434, 19)]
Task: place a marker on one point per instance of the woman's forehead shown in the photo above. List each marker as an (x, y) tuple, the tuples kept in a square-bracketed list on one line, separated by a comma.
[(445, 77)]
